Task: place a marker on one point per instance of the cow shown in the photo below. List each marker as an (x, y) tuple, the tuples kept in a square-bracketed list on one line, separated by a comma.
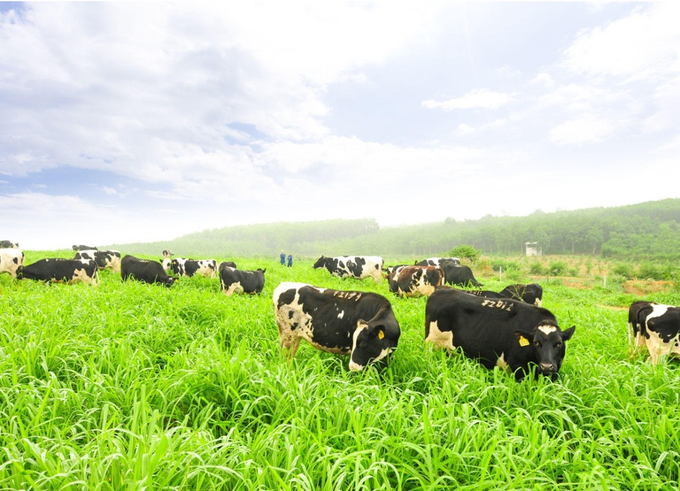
[(104, 259), (497, 332), (144, 270), (359, 324), (458, 275), (531, 293), (190, 267), (167, 253), (60, 270), (352, 266), (415, 281), (8, 244), (655, 326), (240, 281), (437, 261), (83, 248), (11, 260)]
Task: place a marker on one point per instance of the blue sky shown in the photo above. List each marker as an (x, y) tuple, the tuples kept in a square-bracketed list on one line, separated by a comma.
[(128, 121)]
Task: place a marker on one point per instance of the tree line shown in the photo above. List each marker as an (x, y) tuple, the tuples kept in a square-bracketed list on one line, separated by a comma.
[(643, 231)]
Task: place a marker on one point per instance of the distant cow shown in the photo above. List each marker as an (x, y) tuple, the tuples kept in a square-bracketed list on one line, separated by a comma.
[(531, 293), (11, 260), (104, 259), (352, 266), (437, 261), (83, 248), (167, 253), (190, 267), (458, 275), (7, 244), (240, 281), (656, 326), (59, 270), (505, 333), (415, 281), (145, 270), (359, 324)]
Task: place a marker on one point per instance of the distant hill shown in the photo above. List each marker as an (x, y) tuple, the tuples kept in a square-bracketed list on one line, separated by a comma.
[(646, 230)]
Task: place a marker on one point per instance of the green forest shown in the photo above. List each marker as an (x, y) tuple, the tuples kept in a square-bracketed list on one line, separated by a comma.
[(643, 231)]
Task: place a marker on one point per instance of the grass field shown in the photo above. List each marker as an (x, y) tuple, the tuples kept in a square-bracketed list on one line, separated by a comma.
[(133, 386)]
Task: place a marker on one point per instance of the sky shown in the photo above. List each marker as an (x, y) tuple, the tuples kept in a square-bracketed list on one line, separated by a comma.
[(134, 122)]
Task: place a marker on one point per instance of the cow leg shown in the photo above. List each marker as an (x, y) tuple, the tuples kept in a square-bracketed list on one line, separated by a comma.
[(657, 348)]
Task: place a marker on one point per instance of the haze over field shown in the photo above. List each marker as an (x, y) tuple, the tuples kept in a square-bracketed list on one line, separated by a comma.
[(126, 122)]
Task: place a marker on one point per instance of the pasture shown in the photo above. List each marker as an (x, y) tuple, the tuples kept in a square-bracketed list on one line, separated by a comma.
[(130, 385)]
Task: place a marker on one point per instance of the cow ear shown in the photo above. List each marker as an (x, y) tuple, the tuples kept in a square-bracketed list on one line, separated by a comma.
[(264, 270), (568, 333), (521, 333)]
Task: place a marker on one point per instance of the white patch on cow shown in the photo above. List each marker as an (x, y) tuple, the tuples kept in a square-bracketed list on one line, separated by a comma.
[(438, 338), (233, 288), (166, 263), (341, 314), (547, 330), (81, 275), (501, 363), (538, 302)]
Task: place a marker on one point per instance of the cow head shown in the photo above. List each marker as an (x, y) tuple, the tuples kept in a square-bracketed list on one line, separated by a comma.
[(320, 263), (547, 340), (374, 340), (169, 281)]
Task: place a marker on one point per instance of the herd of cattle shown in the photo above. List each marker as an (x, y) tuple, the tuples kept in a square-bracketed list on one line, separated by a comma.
[(508, 329)]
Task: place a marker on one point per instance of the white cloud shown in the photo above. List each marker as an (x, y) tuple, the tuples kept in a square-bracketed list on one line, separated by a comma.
[(477, 98), (588, 128)]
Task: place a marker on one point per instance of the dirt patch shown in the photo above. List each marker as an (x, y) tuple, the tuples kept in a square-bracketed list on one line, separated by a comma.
[(645, 287)]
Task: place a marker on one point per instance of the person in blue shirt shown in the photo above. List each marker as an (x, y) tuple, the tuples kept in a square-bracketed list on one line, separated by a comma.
[(290, 260), (283, 258)]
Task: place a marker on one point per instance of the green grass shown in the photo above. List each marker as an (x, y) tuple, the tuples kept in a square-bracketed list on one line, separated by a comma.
[(131, 386)]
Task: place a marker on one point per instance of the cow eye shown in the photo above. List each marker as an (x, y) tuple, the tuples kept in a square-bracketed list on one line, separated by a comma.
[(537, 344), (559, 344)]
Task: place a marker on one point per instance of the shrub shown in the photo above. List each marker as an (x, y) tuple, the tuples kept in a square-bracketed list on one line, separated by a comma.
[(536, 268), (558, 268), (465, 251)]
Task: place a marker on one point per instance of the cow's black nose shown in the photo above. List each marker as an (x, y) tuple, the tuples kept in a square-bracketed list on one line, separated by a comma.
[(547, 367)]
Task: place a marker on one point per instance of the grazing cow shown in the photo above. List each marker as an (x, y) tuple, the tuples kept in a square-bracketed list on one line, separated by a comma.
[(505, 333), (656, 326), (240, 281), (104, 259), (458, 275), (437, 261), (359, 324), (145, 270), (59, 270), (352, 266), (11, 260), (531, 293), (83, 248), (7, 244), (415, 281), (189, 267)]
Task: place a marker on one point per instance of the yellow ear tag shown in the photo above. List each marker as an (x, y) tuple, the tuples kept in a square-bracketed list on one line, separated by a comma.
[(523, 341), (381, 334)]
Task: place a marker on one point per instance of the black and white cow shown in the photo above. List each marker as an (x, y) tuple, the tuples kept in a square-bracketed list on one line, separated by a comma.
[(144, 270), (437, 261), (241, 281), (83, 248), (458, 275), (8, 244), (656, 326), (352, 266), (359, 324), (190, 267), (531, 293), (11, 260), (415, 281), (497, 332), (167, 253), (60, 270), (104, 259)]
